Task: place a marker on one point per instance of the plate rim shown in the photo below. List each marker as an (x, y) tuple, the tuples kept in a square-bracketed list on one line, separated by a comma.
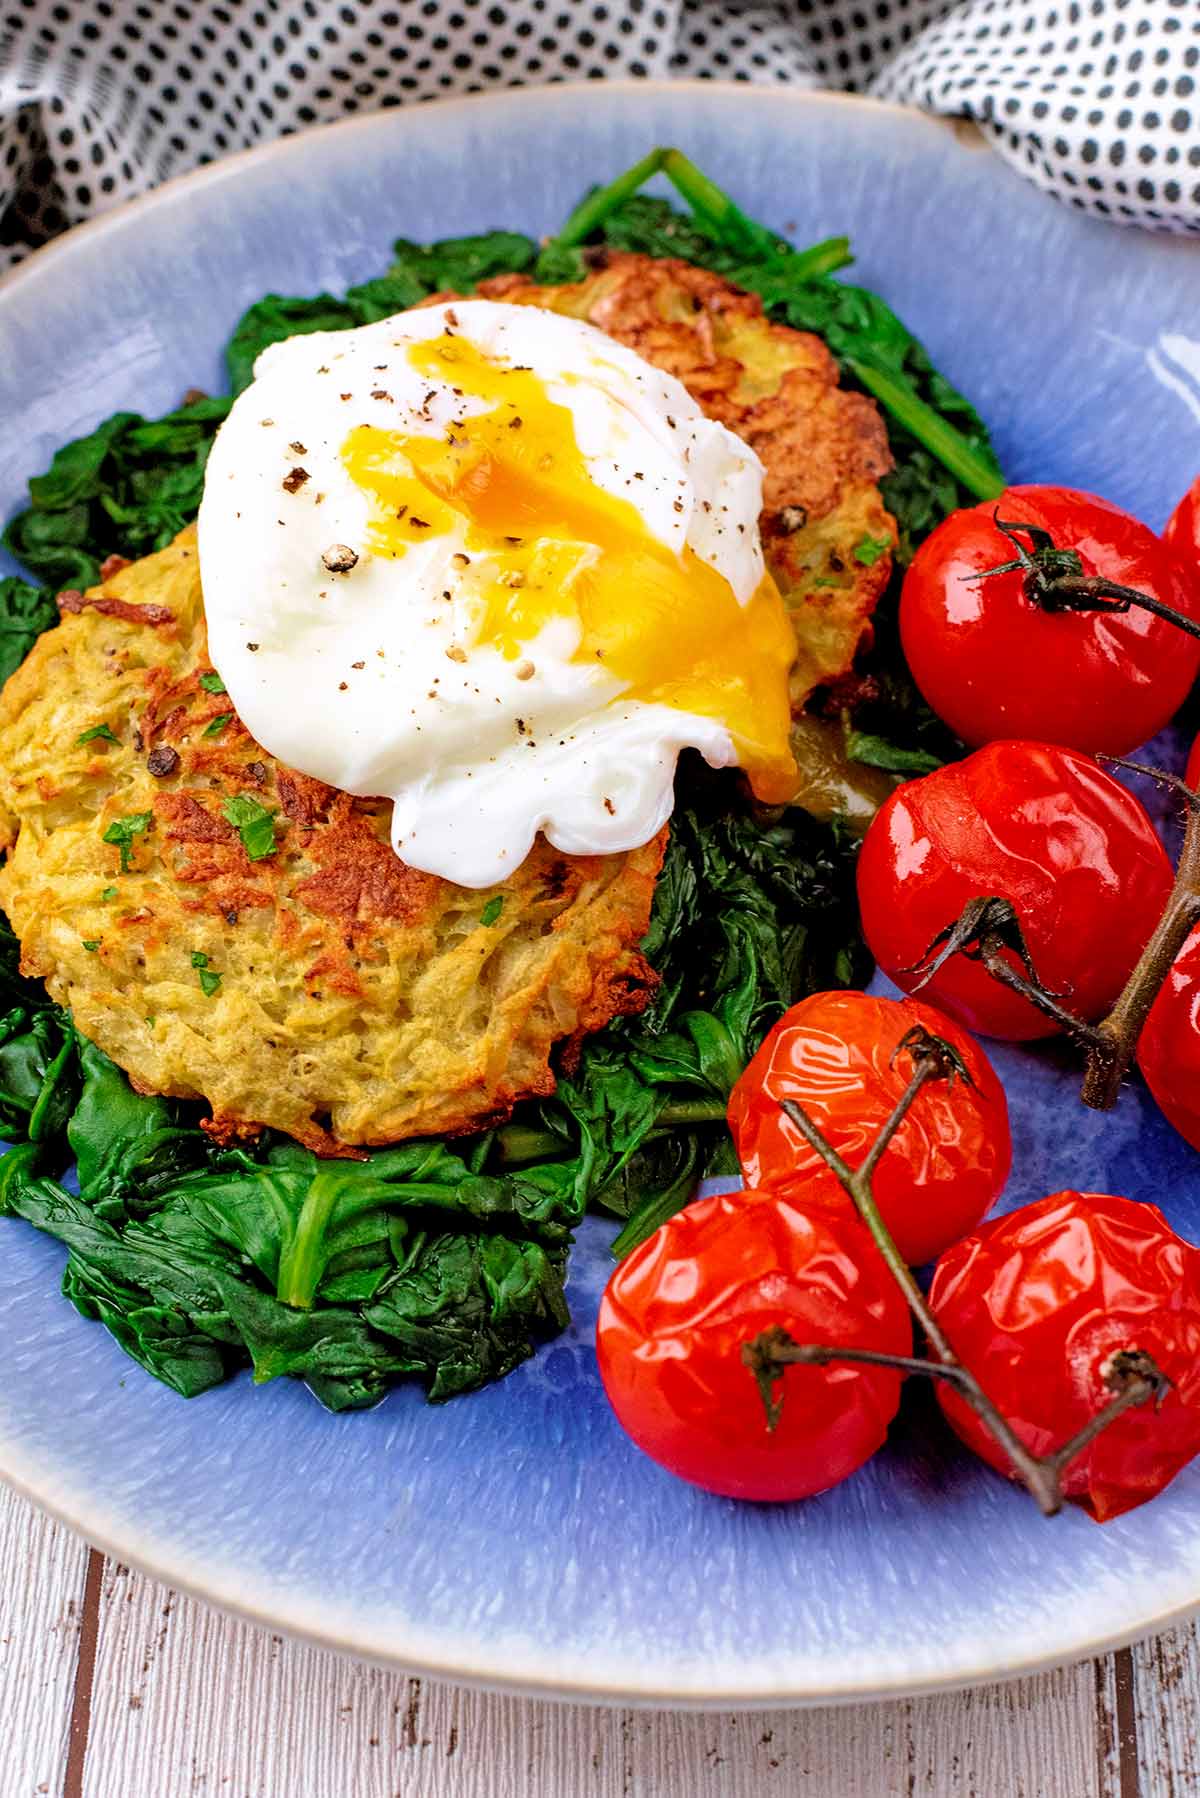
[(556, 1688), (291, 143), (534, 1677)]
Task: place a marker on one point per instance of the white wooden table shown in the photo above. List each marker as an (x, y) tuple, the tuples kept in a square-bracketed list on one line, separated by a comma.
[(113, 1687)]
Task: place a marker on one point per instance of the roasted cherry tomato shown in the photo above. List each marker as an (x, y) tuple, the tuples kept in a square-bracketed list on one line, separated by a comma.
[(678, 1309), (993, 662), (1168, 1049), (840, 1056), (1182, 535), (1046, 829), (1037, 1303)]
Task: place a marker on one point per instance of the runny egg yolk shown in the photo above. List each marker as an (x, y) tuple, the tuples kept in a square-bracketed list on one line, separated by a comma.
[(553, 544)]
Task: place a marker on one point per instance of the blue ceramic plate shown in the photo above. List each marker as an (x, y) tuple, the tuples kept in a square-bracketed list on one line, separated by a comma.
[(515, 1537)]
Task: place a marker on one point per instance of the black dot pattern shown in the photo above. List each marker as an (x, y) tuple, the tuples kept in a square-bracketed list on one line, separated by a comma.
[(1095, 100)]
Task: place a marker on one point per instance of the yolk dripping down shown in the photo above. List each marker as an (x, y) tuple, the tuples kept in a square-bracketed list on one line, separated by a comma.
[(557, 545)]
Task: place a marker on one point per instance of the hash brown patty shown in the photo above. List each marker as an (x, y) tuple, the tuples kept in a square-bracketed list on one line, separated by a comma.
[(357, 1001), (326, 989)]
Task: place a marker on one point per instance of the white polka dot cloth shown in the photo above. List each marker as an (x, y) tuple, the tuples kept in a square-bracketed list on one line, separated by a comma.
[(1095, 100)]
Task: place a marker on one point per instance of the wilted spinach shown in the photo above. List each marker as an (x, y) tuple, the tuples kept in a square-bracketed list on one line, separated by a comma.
[(200, 1259)]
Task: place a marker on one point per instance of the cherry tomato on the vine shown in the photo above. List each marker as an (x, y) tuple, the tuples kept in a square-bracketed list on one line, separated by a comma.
[(839, 1055), (992, 662), (1043, 827), (1168, 1049), (1037, 1303), (678, 1309), (1182, 535)]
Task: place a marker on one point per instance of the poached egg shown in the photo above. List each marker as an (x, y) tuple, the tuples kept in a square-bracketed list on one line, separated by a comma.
[(485, 561)]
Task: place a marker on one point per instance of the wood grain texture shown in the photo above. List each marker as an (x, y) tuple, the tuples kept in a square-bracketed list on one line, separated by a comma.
[(1166, 1707), (42, 1570), (186, 1700)]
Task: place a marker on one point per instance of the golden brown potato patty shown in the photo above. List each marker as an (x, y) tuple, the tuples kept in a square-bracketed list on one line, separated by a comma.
[(352, 1000), (358, 1000)]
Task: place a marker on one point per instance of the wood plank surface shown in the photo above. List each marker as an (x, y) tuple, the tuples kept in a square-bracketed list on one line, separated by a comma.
[(1166, 1713), (180, 1700), (190, 1700), (42, 1576)]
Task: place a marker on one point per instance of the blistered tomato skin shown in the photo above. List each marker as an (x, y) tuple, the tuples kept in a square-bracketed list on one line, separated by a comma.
[(1037, 1302), (678, 1309), (1044, 827), (1182, 535), (836, 1055), (993, 663), (1169, 1047)]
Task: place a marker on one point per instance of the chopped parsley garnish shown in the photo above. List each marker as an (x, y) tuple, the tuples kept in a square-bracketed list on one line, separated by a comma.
[(218, 725), (869, 550), (208, 977), (122, 832), (107, 894), (826, 580), (91, 944), (253, 823), (97, 730), (212, 683), (492, 910)]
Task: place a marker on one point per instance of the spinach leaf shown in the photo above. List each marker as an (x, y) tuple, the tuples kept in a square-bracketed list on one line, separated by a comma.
[(877, 752), (125, 489), (457, 264), (39, 1078), (746, 919), (421, 1260), (25, 612)]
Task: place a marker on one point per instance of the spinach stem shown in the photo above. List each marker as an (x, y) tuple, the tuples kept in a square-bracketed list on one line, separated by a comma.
[(519, 1144), (819, 259), (595, 207), (976, 472), (302, 1261), (714, 209)]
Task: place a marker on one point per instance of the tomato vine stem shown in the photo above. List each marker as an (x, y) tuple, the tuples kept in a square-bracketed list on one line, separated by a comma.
[(988, 930), (1131, 1375), (1110, 1056), (1055, 582), (984, 931)]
